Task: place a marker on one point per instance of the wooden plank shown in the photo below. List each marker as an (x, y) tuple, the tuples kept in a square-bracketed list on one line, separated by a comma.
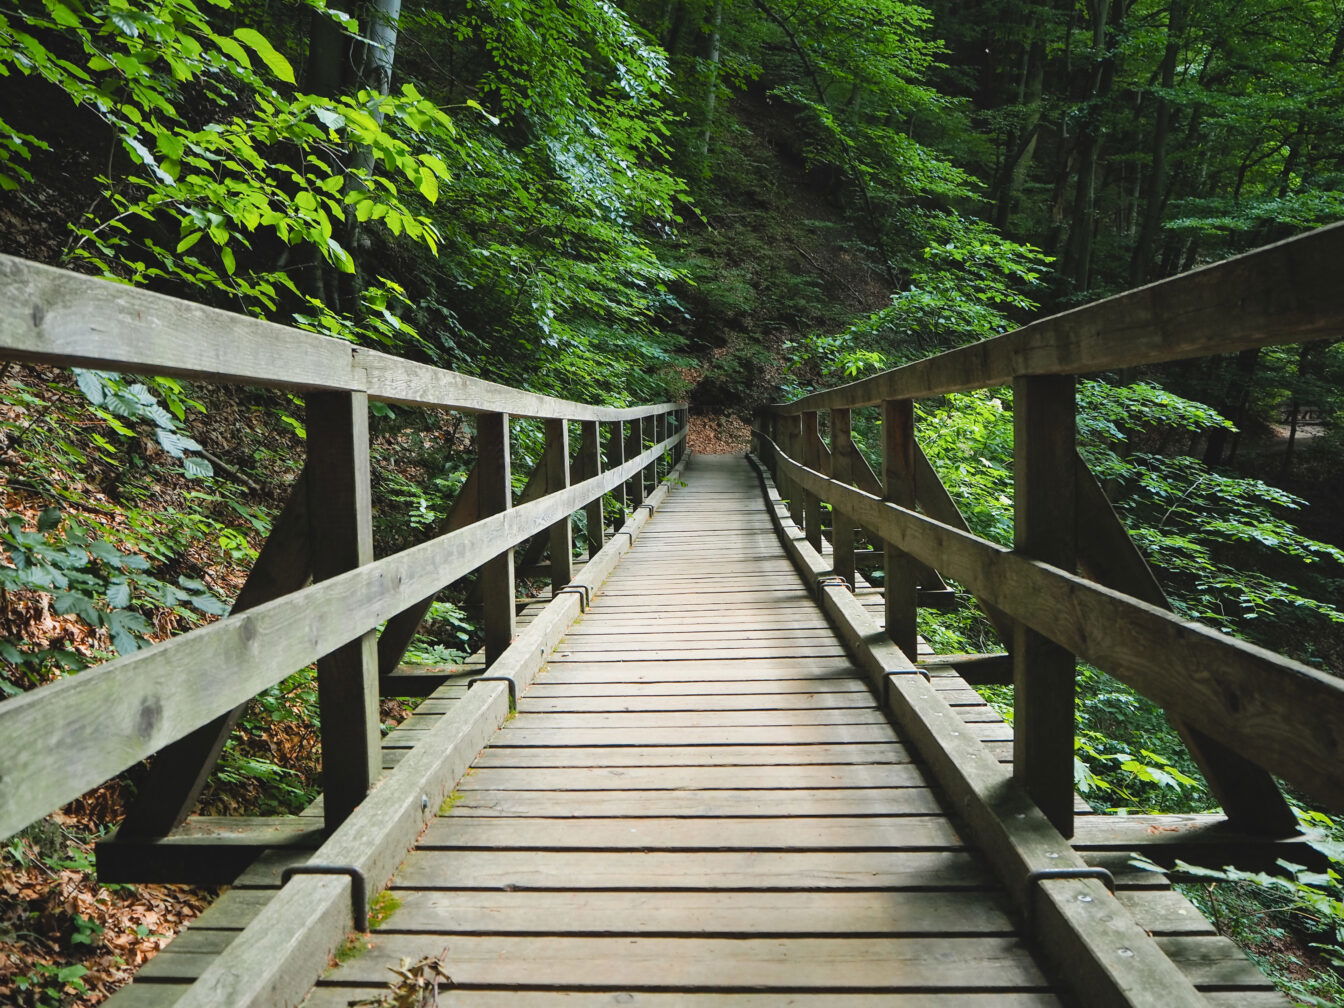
[(1242, 695), (715, 964), (634, 448), (841, 914), (776, 735), (1283, 293), (661, 870), (684, 778), (340, 534), (710, 804), (749, 650), (885, 753), (735, 688), (794, 833), (533, 704), (1045, 527), (698, 719), (340, 997)]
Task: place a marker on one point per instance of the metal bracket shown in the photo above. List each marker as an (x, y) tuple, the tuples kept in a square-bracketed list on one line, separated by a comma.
[(1053, 874), (628, 535), (827, 580), (649, 507), (585, 593), (513, 686), (359, 887)]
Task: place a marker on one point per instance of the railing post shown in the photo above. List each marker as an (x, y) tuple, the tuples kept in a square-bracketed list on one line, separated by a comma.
[(590, 450), (810, 457), (660, 466), (792, 440), (495, 493), (1044, 528), (842, 465), (634, 445), (684, 424), (557, 479), (647, 476), (901, 588), (616, 459), (340, 533)]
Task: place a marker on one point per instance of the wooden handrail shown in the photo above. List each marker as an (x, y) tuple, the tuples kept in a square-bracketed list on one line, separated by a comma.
[(1289, 292), (53, 316), (1239, 708), (61, 739)]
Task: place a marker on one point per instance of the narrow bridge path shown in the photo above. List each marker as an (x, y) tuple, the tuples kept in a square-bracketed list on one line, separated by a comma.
[(699, 795)]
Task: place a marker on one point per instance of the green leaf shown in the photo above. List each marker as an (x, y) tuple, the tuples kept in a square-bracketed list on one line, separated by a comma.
[(49, 519), (190, 240), (62, 14), (259, 44)]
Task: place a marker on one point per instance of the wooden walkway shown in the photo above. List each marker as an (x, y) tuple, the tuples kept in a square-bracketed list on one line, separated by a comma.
[(698, 803)]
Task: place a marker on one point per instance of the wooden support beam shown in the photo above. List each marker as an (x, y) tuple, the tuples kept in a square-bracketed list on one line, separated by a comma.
[(402, 628), (843, 468), (590, 451), (811, 448), (1247, 793), (901, 588), (180, 771), (206, 851), (634, 446), (561, 536), (1044, 528), (495, 494), (615, 459), (340, 534)]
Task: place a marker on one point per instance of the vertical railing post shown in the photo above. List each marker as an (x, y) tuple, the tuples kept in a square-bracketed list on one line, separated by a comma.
[(791, 442), (616, 459), (810, 437), (634, 445), (590, 450), (340, 535), (1045, 529), (495, 493), (660, 466), (684, 424), (900, 591), (557, 479), (647, 478), (842, 465)]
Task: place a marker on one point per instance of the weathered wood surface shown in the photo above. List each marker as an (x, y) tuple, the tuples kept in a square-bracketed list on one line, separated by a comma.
[(1284, 293), (1104, 956), (55, 743), (1244, 696), (614, 853), (58, 317)]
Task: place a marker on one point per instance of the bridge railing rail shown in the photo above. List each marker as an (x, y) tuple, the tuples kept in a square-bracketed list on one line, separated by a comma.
[(316, 592), (1074, 586)]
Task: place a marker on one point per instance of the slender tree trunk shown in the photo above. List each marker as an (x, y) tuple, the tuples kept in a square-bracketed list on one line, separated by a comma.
[(1140, 263), (711, 85), (1078, 251)]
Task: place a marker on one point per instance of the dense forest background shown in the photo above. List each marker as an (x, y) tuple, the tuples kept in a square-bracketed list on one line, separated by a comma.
[(620, 201)]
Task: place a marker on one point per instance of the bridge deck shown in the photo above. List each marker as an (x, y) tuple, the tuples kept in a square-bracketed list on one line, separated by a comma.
[(698, 803)]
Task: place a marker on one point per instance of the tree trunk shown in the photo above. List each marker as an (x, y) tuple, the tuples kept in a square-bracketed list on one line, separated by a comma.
[(1140, 263), (1077, 264), (711, 85)]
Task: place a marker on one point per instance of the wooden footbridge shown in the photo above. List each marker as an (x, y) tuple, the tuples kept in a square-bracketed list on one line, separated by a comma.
[(715, 766)]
